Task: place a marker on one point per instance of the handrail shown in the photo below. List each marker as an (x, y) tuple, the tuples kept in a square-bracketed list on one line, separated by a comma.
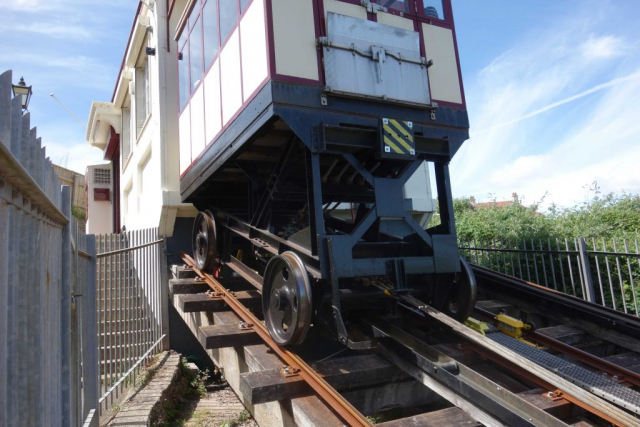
[(121, 251)]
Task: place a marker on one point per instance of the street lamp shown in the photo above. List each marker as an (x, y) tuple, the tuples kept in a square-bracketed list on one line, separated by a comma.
[(21, 89)]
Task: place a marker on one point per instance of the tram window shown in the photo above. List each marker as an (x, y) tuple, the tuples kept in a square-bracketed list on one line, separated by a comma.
[(210, 28), (183, 76), (433, 9), (228, 17), (399, 5), (195, 48), (194, 14), (243, 4)]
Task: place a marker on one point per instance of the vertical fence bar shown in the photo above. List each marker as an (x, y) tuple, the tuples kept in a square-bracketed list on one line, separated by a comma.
[(127, 281), (138, 284), (152, 274), (101, 333), (164, 295), (583, 286), (526, 257), (622, 292), (573, 285), (597, 260), (613, 294), (513, 273), (112, 335), (519, 260), (535, 261), (589, 293), (5, 304), (631, 284), (148, 283), (156, 280), (119, 346), (553, 270), (564, 284), (91, 341), (66, 310), (496, 254), (544, 268), (475, 251)]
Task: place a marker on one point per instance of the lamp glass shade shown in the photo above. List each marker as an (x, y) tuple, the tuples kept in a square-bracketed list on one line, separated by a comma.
[(24, 91)]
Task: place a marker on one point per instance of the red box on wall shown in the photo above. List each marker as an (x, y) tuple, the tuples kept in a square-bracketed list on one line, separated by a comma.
[(101, 194)]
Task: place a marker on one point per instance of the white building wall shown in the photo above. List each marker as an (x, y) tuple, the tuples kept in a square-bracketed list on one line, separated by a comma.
[(149, 170), (99, 213)]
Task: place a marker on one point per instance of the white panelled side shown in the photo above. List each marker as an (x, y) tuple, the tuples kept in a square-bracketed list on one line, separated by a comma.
[(295, 38), (231, 79), (395, 21), (254, 48), (213, 116), (197, 123), (185, 139), (443, 74)]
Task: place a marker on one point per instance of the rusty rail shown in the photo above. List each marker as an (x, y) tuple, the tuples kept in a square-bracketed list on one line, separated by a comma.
[(339, 404)]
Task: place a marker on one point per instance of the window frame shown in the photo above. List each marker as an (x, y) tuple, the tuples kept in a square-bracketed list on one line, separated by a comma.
[(142, 87), (126, 106), (186, 31), (194, 89), (180, 50), (417, 11)]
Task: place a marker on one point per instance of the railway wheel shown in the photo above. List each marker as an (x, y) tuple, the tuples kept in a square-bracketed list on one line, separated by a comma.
[(203, 239), (286, 299), (463, 294)]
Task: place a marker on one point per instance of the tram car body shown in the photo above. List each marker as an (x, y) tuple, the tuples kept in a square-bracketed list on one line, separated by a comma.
[(301, 123)]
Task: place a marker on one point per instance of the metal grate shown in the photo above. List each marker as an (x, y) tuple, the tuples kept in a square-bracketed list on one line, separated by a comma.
[(588, 380), (102, 176)]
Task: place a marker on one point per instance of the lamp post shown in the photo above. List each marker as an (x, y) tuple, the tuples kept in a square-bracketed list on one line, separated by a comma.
[(24, 91)]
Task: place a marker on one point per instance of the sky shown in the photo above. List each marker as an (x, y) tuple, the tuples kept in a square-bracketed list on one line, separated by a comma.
[(553, 94), (552, 89)]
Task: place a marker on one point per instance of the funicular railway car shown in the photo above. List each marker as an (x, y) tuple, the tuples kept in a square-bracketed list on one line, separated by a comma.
[(292, 110)]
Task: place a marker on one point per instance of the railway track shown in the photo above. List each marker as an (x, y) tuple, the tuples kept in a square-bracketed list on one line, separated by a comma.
[(578, 367)]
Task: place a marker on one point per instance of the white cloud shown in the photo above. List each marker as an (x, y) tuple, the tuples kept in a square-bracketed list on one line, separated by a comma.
[(603, 47), (67, 31), (597, 88), (21, 5), (547, 118)]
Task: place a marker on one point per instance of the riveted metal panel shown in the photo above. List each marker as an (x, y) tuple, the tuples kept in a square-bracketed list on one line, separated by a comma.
[(369, 59)]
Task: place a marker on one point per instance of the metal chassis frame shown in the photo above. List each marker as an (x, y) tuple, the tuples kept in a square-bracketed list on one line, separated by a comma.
[(338, 129)]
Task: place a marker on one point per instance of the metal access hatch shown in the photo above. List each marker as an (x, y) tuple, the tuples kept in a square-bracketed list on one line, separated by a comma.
[(372, 60)]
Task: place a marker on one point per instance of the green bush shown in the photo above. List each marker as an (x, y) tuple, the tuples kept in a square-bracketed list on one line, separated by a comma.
[(610, 222), (612, 216)]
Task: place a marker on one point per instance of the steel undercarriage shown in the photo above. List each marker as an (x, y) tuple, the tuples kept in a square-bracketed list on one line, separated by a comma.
[(268, 195)]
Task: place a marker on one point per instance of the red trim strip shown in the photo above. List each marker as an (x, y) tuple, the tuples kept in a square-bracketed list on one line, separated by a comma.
[(112, 150)]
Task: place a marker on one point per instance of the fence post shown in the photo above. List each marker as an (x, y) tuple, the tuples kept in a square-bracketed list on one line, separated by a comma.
[(91, 375), (589, 293), (164, 296), (65, 315)]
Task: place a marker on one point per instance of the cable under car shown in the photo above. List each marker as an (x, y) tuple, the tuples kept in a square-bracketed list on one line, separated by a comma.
[(308, 133)]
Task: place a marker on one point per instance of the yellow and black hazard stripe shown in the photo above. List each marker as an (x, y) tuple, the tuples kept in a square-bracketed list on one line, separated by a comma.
[(397, 137)]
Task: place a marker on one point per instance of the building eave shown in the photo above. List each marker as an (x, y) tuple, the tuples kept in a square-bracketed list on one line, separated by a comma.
[(102, 117)]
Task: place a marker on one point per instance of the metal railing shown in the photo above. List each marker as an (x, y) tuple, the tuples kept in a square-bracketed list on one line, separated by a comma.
[(47, 344), (131, 305), (587, 269)]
